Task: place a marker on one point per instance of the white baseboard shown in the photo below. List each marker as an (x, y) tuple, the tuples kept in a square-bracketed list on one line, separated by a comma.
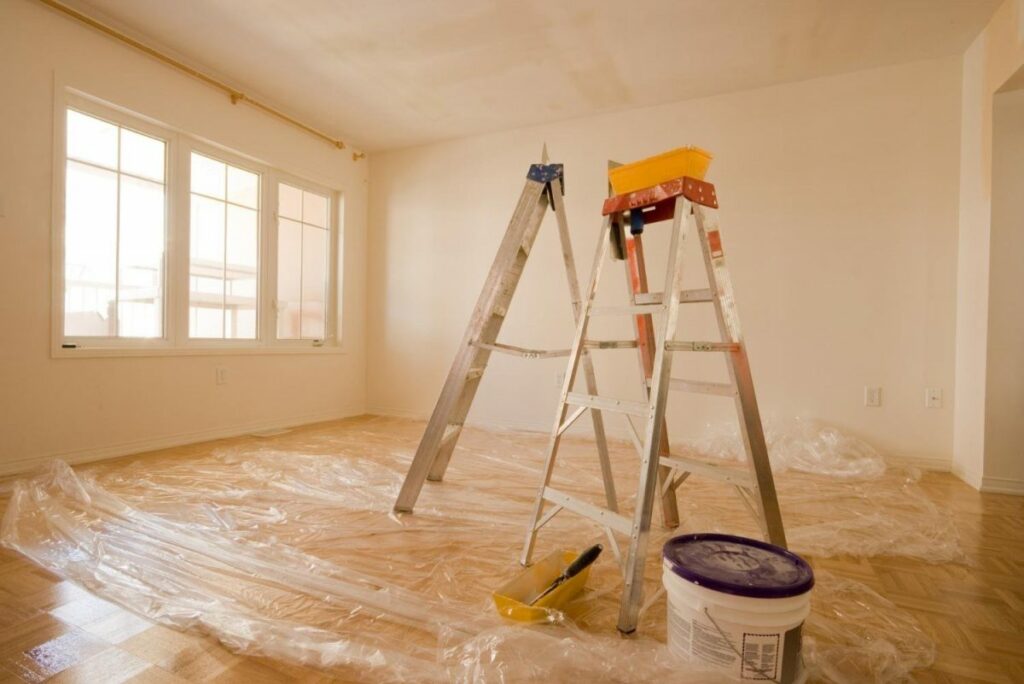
[(1002, 485), (935, 465), (519, 426), (23, 465), (972, 478)]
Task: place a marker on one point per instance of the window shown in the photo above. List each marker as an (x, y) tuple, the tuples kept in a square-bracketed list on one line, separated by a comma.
[(114, 230), (303, 242), (224, 239), (166, 242)]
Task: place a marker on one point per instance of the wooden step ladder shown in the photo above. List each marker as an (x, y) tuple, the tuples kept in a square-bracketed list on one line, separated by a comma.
[(544, 189), (685, 201)]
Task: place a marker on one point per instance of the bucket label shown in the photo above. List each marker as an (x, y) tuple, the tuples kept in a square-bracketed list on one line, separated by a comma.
[(746, 655), (760, 656)]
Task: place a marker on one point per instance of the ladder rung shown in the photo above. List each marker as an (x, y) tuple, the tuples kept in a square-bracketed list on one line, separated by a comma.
[(451, 431), (692, 296), (602, 516), (724, 389), (522, 351), (685, 297), (601, 403), (689, 465), (702, 346), (610, 344), (633, 309)]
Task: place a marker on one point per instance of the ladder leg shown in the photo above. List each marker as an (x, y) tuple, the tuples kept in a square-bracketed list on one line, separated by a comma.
[(643, 325), (589, 377), (460, 387), (575, 356), (751, 427), (632, 595)]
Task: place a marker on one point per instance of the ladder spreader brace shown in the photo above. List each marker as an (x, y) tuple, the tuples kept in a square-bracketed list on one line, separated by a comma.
[(544, 189), (684, 201)]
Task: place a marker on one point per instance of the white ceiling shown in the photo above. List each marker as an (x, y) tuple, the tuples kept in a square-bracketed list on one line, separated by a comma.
[(392, 73)]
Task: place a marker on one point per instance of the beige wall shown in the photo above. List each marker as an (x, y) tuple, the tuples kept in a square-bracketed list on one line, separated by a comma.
[(990, 60), (88, 408), (839, 213), (1004, 401)]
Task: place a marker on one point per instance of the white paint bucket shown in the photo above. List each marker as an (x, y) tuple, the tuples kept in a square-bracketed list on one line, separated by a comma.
[(736, 606)]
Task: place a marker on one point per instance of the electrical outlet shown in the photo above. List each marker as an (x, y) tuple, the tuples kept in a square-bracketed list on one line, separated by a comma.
[(872, 396), (933, 397), (222, 375)]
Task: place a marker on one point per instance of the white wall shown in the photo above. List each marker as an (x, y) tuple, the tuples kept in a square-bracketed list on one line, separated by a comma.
[(91, 407), (1004, 401), (990, 60), (839, 214)]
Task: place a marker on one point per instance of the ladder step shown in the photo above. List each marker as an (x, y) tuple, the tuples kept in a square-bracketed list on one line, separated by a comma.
[(451, 431), (609, 344), (689, 465), (602, 516), (724, 389), (630, 310), (604, 404), (702, 346), (685, 297), (522, 351)]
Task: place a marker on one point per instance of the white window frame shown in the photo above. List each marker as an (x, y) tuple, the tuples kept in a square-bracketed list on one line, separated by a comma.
[(331, 327), (177, 230)]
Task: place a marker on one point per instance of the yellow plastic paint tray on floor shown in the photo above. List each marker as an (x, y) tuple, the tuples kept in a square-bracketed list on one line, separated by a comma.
[(685, 161), (512, 598)]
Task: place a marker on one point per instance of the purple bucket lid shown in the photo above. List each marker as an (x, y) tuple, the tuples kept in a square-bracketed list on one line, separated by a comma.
[(737, 565)]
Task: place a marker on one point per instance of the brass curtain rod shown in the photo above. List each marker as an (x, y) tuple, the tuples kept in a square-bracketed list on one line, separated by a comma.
[(235, 94)]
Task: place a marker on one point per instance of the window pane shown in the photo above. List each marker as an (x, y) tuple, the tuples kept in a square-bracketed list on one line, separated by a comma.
[(207, 234), (242, 250), (90, 251), (243, 187), (91, 139), (289, 279), (314, 282), (289, 202), (142, 155), (206, 321), (206, 268), (314, 209), (208, 176), (140, 287)]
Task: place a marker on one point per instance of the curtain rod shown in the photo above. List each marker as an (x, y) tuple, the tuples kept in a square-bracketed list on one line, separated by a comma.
[(235, 94)]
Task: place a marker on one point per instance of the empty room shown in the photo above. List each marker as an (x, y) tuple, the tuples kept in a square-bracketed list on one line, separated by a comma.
[(511, 341)]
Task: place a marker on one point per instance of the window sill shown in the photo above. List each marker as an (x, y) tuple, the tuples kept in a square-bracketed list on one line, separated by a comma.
[(101, 352)]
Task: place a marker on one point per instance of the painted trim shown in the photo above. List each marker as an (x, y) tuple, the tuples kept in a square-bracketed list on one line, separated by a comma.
[(971, 478), (24, 465), (1002, 485)]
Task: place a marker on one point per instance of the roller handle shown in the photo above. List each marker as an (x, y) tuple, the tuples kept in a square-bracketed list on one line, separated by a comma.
[(582, 561)]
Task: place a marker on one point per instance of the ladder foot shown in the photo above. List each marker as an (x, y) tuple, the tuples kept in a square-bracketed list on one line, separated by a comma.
[(435, 478)]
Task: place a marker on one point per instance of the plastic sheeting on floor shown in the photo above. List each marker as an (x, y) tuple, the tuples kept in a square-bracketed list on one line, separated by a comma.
[(287, 547)]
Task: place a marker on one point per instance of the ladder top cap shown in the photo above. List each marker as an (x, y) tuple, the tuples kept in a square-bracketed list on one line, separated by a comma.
[(545, 173), (693, 189)]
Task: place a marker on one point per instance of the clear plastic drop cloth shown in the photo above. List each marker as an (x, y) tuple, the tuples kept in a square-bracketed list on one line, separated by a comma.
[(287, 547)]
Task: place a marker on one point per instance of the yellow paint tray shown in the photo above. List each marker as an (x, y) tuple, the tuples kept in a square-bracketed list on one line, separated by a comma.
[(685, 161), (510, 598)]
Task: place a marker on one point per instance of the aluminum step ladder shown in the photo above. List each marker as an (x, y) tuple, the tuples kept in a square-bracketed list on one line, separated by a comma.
[(544, 189), (684, 201)]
